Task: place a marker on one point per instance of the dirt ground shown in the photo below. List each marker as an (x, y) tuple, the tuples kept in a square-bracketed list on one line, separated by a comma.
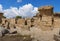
[(15, 38)]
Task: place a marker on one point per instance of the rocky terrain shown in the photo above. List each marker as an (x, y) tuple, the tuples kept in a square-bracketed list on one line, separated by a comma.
[(16, 38), (34, 34)]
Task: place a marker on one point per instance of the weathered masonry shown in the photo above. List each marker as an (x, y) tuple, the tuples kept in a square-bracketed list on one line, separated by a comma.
[(46, 19)]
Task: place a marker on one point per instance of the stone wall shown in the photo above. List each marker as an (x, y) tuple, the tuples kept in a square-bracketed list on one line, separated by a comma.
[(1, 15), (45, 20), (57, 20), (46, 10)]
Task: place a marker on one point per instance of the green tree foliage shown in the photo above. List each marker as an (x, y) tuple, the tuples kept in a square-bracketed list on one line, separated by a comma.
[(18, 17)]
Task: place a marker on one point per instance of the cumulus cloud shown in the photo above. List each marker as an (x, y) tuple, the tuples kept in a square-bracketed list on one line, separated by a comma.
[(27, 10), (19, 0), (10, 13), (1, 8)]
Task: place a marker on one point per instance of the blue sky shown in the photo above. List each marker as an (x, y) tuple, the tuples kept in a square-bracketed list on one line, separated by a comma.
[(25, 8), (37, 3)]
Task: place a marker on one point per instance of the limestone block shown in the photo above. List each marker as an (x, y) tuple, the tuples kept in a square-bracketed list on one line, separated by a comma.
[(56, 22), (19, 26), (26, 27), (35, 18), (46, 10), (3, 20), (12, 21), (45, 27), (12, 30), (6, 25), (20, 21), (37, 22), (11, 26), (46, 23), (46, 18), (28, 22)]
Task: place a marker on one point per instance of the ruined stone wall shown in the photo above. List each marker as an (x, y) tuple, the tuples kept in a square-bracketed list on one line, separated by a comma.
[(36, 21), (12, 21), (20, 21), (1, 15), (46, 13), (49, 20), (57, 22), (45, 20), (46, 10)]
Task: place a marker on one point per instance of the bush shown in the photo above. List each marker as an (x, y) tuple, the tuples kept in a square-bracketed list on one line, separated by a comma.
[(18, 17)]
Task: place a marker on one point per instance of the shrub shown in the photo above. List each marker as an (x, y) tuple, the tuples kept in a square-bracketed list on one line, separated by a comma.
[(18, 17)]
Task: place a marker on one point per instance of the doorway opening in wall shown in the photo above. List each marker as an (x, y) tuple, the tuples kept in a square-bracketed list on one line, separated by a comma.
[(14, 27), (16, 22), (25, 22), (5, 21), (40, 17), (32, 20), (32, 25), (8, 26), (52, 21)]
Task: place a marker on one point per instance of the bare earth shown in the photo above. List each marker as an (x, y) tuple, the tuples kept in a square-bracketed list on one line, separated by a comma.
[(15, 38)]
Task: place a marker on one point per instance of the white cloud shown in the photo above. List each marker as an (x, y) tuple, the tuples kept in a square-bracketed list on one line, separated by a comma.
[(10, 13), (27, 10), (19, 0), (1, 8)]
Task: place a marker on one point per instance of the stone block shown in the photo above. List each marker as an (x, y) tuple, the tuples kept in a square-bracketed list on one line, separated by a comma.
[(12, 21), (56, 22), (20, 21)]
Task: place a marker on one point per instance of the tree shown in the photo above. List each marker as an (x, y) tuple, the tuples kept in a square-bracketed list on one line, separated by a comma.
[(18, 17)]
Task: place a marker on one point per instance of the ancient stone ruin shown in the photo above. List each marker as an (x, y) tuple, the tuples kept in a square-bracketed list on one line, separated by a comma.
[(46, 19)]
